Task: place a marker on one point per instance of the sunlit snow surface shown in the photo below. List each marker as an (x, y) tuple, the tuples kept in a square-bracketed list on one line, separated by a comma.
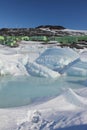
[(43, 87)]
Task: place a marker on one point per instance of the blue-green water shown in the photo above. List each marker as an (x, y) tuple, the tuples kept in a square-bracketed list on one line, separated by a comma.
[(20, 91)]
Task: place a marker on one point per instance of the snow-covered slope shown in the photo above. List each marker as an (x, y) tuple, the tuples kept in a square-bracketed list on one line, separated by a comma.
[(57, 113), (64, 31), (65, 110), (75, 32)]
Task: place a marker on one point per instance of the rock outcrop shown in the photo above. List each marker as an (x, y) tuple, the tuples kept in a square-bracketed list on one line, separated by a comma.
[(47, 30)]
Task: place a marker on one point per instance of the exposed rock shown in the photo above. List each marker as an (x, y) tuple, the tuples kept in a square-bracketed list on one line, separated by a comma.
[(47, 30), (51, 27)]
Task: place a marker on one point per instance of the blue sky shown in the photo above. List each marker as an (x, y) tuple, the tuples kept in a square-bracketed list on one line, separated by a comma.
[(31, 13)]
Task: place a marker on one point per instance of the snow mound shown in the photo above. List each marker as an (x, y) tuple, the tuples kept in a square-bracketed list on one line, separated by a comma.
[(11, 65), (75, 99), (39, 119), (35, 69), (69, 100), (36, 122), (56, 58)]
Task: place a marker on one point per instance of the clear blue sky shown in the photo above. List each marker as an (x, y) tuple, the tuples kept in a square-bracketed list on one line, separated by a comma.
[(31, 13)]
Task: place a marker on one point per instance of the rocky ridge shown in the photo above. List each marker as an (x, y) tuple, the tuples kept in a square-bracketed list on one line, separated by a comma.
[(47, 30)]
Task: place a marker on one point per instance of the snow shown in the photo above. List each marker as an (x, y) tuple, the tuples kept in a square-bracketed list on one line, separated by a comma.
[(68, 109), (9, 65), (65, 111), (13, 61), (72, 30)]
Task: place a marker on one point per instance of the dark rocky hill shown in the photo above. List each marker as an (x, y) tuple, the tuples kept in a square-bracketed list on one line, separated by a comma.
[(51, 27), (47, 30)]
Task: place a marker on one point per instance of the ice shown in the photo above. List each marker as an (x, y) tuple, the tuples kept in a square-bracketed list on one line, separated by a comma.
[(78, 69), (35, 69), (74, 71), (57, 58), (83, 56)]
